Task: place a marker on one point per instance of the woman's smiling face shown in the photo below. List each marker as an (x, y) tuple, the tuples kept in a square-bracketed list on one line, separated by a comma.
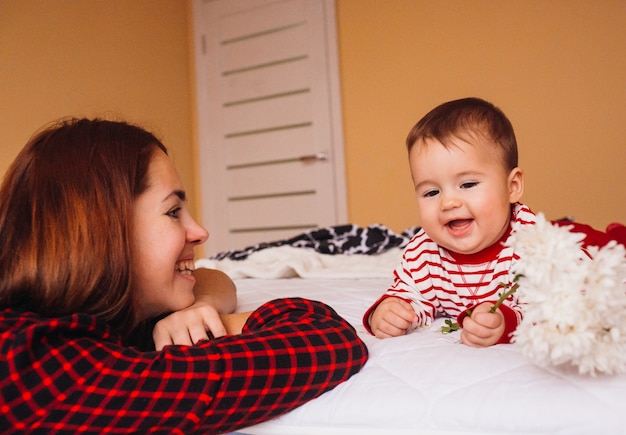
[(163, 241)]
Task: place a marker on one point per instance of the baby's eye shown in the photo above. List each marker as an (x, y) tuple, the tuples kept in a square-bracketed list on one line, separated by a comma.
[(469, 185), (173, 213), (430, 193)]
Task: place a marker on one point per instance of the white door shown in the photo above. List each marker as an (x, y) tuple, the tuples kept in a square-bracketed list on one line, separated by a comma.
[(270, 137)]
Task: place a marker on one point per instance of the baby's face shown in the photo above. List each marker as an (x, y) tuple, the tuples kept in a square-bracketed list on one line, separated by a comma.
[(464, 192)]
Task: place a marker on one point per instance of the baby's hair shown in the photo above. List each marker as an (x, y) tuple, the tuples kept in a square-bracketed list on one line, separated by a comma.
[(464, 119)]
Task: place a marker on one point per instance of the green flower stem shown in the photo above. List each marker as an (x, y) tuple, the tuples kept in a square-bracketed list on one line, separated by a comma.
[(503, 297), (451, 326)]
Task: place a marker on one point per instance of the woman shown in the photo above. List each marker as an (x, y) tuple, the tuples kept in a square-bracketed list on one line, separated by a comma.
[(97, 239)]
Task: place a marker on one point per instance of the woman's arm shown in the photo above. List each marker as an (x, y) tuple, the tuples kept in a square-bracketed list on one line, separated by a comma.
[(215, 295), (233, 322), (215, 288), (289, 352)]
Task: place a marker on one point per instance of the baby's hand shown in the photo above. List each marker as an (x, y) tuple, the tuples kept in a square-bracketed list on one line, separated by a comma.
[(392, 318), (482, 328), (188, 326)]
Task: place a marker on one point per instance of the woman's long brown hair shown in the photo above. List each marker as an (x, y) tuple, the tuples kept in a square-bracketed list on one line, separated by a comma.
[(65, 220)]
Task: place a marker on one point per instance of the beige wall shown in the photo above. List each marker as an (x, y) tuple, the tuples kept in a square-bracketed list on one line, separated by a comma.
[(555, 67), (119, 59)]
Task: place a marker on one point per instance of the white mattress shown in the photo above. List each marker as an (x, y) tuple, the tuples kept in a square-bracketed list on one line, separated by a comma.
[(429, 383)]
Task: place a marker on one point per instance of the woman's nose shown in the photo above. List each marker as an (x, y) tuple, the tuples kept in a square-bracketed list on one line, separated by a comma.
[(196, 233)]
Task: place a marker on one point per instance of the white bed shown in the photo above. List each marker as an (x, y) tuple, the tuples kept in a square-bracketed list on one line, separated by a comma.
[(428, 383), (425, 382)]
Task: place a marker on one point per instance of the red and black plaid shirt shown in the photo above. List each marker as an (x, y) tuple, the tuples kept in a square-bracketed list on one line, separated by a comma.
[(73, 375)]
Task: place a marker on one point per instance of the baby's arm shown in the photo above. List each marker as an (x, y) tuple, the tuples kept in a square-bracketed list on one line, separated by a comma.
[(483, 328), (215, 294), (392, 317)]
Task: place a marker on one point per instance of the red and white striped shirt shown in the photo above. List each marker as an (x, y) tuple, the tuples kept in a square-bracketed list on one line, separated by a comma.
[(438, 282)]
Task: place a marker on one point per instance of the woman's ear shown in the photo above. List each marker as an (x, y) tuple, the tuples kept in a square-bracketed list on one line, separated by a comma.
[(516, 185)]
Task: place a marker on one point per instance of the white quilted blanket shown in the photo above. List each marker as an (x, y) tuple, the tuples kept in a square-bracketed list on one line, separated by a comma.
[(428, 383), (289, 262)]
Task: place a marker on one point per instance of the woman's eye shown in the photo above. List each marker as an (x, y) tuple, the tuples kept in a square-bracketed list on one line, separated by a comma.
[(173, 213), (469, 185)]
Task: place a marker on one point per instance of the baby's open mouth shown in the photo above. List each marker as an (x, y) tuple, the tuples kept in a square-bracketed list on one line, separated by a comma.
[(459, 226), (459, 223)]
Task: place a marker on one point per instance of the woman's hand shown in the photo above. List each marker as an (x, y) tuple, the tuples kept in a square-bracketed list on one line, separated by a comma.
[(200, 321), (215, 295)]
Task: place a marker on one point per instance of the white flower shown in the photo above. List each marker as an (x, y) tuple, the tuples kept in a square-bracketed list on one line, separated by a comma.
[(575, 310), (546, 249)]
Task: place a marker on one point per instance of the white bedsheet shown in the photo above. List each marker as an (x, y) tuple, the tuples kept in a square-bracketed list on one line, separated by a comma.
[(429, 383)]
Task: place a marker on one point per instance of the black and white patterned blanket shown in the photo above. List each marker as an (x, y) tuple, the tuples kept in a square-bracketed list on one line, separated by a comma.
[(339, 239)]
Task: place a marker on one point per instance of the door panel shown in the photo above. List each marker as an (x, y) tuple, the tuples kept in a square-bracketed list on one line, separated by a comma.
[(285, 45), (271, 146), (266, 115), (269, 213), (263, 82), (269, 119), (269, 179), (257, 16)]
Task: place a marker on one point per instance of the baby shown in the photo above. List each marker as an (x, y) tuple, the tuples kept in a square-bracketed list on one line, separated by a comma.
[(463, 160)]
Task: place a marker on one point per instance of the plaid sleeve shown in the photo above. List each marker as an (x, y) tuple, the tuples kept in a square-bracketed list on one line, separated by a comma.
[(290, 351)]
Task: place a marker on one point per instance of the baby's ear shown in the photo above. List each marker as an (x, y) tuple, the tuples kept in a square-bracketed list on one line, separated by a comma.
[(516, 185)]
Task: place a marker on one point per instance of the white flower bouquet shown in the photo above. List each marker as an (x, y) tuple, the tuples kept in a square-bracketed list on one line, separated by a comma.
[(575, 311)]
